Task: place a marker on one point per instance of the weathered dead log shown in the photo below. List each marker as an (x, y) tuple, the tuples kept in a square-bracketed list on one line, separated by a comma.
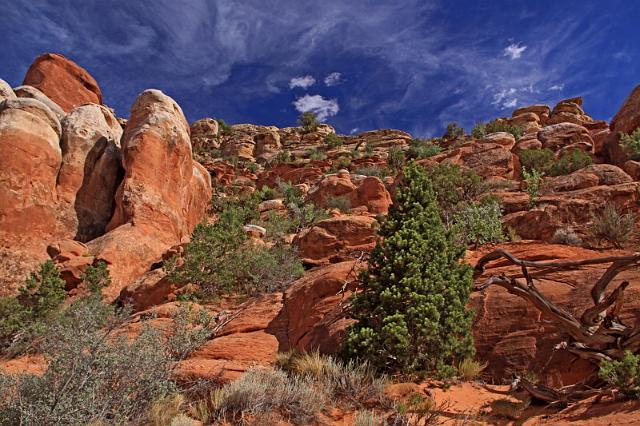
[(596, 336)]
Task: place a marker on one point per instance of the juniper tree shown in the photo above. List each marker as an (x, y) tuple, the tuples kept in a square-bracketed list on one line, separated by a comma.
[(411, 312)]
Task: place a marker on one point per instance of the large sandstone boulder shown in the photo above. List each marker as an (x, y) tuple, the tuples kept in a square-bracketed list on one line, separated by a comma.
[(163, 194), (252, 339), (205, 134), (91, 170), (33, 93), (626, 120), (6, 92), (30, 159), (336, 238), (368, 192), (512, 335), (63, 81), (566, 136), (315, 307)]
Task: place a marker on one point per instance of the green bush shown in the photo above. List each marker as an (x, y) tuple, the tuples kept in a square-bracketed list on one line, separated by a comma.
[(537, 159), (309, 121), (454, 131), (219, 258), (379, 172), (283, 156), (411, 313), (544, 161), (623, 374), (533, 182), (223, 127), (317, 155), (453, 186), (613, 226), (341, 203), (333, 141), (479, 131), (631, 144), (494, 126), (395, 159), (569, 162), (24, 317), (421, 148), (480, 223)]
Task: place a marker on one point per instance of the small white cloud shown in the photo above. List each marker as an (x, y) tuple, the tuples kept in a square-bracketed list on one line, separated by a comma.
[(514, 51), (322, 107), (305, 82), (511, 103), (354, 130), (557, 87), (333, 79)]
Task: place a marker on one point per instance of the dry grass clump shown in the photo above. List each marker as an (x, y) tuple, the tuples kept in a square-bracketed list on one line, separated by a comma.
[(566, 236), (470, 369), (368, 418), (613, 225)]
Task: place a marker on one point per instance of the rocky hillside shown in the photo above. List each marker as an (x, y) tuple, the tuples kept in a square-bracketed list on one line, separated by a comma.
[(80, 186)]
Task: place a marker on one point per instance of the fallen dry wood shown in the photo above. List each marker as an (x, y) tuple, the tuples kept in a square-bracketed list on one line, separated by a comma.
[(597, 335)]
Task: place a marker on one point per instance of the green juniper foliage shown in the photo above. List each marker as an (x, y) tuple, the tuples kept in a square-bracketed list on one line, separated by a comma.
[(412, 314)]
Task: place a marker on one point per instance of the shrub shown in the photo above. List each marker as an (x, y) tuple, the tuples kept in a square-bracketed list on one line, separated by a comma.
[(94, 375), (479, 131), (454, 131), (278, 225), (631, 144), (283, 156), (317, 155), (395, 159), (480, 223), (252, 167), (343, 382), (22, 318), (225, 129), (496, 125), (333, 141), (421, 148), (341, 203), (613, 226), (411, 313), (544, 161), (569, 162), (469, 368), (623, 374), (533, 182), (379, 172), (537, 159), (307, 215), (453, 186), (262, 393), (219, 259), (309, 121), (566, 236), (367, 418)]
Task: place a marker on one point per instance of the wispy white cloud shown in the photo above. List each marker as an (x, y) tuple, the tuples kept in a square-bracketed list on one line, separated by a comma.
[(333, 79), (323, 108), (557, 87), (514, 51), (304, 82)]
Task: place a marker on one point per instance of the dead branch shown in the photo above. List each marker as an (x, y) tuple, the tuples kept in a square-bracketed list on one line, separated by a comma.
[(596, 336)]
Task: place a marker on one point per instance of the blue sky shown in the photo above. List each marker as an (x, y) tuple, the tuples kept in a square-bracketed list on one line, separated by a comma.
[(407, 64)]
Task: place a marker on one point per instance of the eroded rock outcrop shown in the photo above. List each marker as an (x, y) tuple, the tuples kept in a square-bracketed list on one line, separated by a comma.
[(63, 81), (161, 195)]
